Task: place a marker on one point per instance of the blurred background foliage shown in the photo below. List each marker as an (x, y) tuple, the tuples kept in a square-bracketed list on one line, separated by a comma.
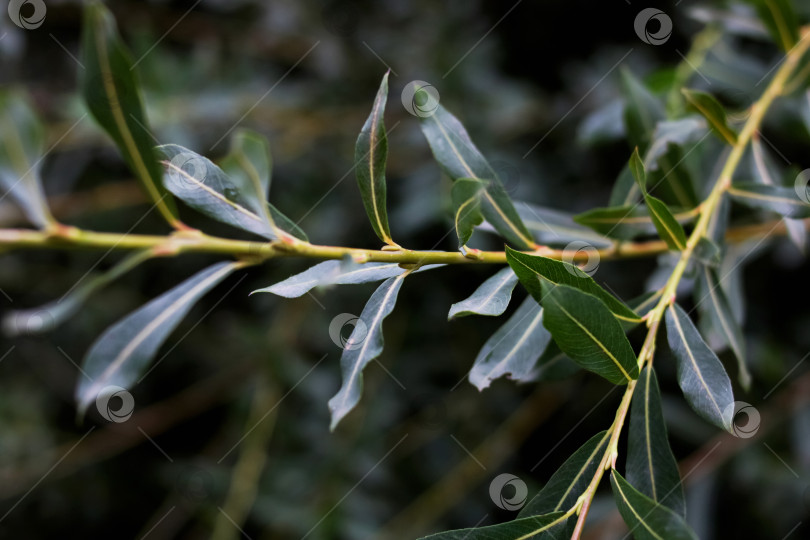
[(232, 421)]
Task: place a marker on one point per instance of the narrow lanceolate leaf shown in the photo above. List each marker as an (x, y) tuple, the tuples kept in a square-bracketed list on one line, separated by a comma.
[(249, 167), (646, 518), (532, 270), (571, 479), (364, 345), (122, 352), (490, 298), (780, 19), (459, 158), (642, 111), (651, 467), (548, 527), (206, 188), (701, 376), (665, 223), (111, 92), (585, 330), (21, 142), (514, 348), (370, 155), (46, 318), (336, 273), (466, 195), (712, 302), (780, 199), (712, 111), (620, 222)]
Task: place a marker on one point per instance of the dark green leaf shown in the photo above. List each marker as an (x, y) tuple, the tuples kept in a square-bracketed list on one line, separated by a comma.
[(533, 269), (621, 222), (672, 179), (513, 349), (647, 519), (110, 89), (780, 19), (642, 112), (119, 356), (570, 481), (651, 467), (711, 109), (779, 199), (459, 158), (21, 148), (490, 298), (466, 195), (364, 345), (713, 303), (701, 376), (585, 329), (548, 527), (370, 155)]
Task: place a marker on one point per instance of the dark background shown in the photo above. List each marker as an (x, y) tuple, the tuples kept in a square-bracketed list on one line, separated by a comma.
[(398, 466)]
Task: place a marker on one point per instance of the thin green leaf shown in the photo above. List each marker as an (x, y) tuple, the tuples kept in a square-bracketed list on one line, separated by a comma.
[(111, 92), (370, 155), (548, 527), (701, 376), (642, 111), (672, 179), (664, 221), (21, 147), (651, 467), (620, 222), (780, 19), (459, 158), (124, 350), (532, 270), (466, 195), (647, 519), (46, 318), (711, 109), (336, 273), (513, 349), (780, 199), (364, 345), (584, 328), (490, 298), (570, 481), (714, 304)]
